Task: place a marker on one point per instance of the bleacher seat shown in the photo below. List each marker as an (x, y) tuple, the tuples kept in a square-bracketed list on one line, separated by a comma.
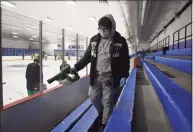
[(121, 117), (70, 120), (86, 121), (180, 52), (176, 101), (159, 53), (182, 65)]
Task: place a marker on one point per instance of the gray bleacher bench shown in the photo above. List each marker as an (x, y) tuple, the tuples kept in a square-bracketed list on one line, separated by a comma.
[(73, 118)]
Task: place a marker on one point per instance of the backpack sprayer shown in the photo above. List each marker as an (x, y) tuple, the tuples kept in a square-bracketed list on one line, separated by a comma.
[(65, 76)]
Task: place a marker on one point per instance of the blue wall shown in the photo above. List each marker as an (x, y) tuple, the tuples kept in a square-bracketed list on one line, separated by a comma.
[(18, 51)]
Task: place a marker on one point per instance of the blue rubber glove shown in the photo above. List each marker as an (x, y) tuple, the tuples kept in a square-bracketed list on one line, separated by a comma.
[(122, 82)]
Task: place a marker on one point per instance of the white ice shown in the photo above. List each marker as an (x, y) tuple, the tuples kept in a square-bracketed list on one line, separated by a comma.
[(15, 87)]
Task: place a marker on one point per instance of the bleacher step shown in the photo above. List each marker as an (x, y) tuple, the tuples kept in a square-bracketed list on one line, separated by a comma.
[(149, 115)]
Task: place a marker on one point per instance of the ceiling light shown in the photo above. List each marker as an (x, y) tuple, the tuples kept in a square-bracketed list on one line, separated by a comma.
[(72, 2), (48, 19), (15, 36), (28, 28), (6, 3), (34, 36), (70, 28), (14, 33), (92, 18), (31, 39), (35, 42), (143, 11)]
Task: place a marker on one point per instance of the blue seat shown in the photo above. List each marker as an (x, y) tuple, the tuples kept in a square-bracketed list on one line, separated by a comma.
[(182, 65), (176, 101), (86, 121), (121, 117), (159, 53), (73, 117), (180, 52)]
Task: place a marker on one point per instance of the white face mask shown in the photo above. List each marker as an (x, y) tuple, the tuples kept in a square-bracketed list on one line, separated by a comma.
[(104, 34)]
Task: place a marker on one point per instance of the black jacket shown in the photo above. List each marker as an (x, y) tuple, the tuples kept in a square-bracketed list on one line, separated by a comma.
[(33, 76), (120, 61)]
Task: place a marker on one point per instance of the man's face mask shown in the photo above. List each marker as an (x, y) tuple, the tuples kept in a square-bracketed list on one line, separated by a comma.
[(104, 31)]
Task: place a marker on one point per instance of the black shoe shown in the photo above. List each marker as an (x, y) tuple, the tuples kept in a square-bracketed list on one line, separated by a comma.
[(99, 118), (96, 125), (102, 127)]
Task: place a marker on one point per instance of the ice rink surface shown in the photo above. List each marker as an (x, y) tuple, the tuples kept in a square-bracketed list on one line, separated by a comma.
[(14, 76)]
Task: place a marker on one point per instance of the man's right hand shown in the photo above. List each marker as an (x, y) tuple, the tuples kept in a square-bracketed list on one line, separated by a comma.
[(73, 70)]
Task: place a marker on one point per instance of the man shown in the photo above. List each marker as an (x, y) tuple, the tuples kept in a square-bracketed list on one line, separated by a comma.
[(55, 56), (142, 54), (45, 56), (23, 55), (64, 64), (109, 57), (32, 55), (33, 76)]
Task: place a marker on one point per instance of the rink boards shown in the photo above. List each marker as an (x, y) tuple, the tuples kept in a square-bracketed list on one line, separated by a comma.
[(41, 113)]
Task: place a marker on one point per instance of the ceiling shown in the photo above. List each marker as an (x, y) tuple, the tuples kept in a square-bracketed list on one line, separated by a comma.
[(158, 14), (127, 15), (62, 14)]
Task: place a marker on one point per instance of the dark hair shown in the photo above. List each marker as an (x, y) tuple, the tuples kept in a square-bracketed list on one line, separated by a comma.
[(106, 22)]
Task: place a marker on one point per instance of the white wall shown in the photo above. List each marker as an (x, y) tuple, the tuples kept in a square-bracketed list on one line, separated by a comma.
[(49, 48), (180, 22), (143, 45), (34, 46), (14, 44)]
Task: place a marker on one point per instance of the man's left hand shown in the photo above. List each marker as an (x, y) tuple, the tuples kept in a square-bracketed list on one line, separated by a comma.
[(122, 82)]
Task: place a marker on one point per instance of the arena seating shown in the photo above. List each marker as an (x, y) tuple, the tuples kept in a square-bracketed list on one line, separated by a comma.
[(175, 100), (182, 65), (182, 51)]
